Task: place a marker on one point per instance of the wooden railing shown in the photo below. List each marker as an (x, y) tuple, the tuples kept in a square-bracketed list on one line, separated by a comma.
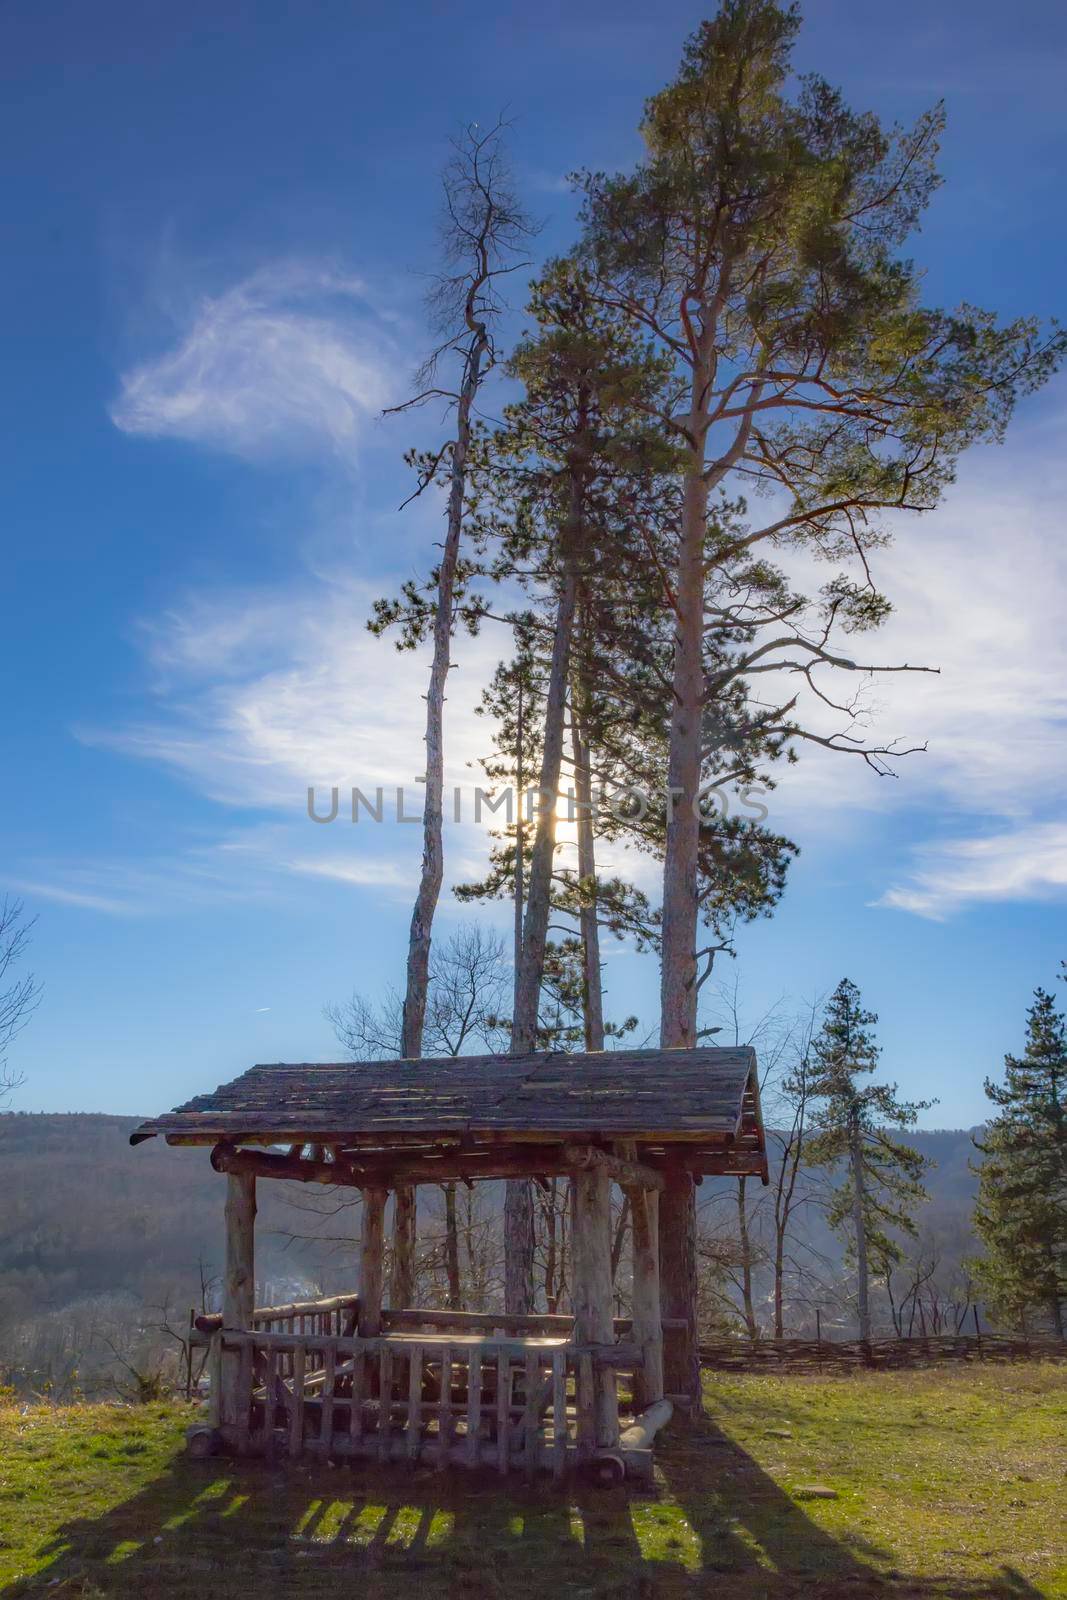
[(337, 1315), (516, 1403), (340, 1314)]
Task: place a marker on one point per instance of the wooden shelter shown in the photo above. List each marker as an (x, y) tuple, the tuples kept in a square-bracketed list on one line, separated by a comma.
[(352, 1377)]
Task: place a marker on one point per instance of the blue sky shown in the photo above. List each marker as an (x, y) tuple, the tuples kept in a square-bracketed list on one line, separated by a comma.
[(215, 225)]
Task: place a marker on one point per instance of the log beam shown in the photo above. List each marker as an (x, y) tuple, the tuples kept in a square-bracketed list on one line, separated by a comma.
[(634, 1174), (390, 1171)]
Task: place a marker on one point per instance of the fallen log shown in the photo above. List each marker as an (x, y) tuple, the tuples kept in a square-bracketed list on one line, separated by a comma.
[(643, 1429)]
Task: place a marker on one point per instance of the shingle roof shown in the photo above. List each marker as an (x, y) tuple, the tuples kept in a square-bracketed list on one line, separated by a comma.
[(650, 1094)]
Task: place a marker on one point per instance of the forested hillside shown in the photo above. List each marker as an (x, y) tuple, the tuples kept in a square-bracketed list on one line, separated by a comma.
[(100, 1243), (102, 1246)]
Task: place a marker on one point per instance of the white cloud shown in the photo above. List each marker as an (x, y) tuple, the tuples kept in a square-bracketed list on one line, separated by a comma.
[(264, 693), (292, 360), (1027, 863), (979, 590), (82, 899), (344, 869)]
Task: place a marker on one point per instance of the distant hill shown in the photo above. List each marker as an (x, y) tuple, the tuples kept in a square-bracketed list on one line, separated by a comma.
[(97, 1238), (96, 1235)]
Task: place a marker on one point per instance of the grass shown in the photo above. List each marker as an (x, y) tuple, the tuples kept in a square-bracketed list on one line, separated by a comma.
[(949, 1483)]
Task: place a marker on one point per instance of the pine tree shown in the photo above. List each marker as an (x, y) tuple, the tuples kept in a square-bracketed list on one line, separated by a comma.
[(1021, 1212), (761, 246), (883, 1180)]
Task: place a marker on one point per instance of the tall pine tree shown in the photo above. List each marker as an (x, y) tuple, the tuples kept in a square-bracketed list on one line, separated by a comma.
[(882, 1184), (1021, 1212)]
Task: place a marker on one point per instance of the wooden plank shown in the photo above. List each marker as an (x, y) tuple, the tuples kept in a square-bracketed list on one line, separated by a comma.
[(242, 1399), (474, 1405), (385, 1393), (503, 1408), (531, 1419), (329, 1382), (444, 1426), (585, 1407), (214, 1368), (296, 1403), (359, 1381), (559, 1412), (270, 1401), (414, 1422)]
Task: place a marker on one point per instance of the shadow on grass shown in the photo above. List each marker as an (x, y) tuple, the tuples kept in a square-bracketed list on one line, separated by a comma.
[(722, 1527)]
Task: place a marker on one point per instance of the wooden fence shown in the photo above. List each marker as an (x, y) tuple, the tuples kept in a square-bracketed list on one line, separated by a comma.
[(744, 1355), (513, 1404)]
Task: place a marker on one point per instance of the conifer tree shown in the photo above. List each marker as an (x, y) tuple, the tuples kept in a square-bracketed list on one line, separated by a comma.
[(852, 1126), (1021, 1211), (760, 244)]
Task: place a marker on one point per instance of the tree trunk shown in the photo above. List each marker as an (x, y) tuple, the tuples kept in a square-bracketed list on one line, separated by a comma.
[(677, 1265), (518, 1202), (678, 993), (432, 873), (402, 1273), (542, 856), (1055, 1304), (455, 1291), (588, 924), (518, 1246), (371, 1257), (520, 847), (779, 1273), (622, 1223), (418, 966), (859, 1223), (746, 1260), (549, 1212)]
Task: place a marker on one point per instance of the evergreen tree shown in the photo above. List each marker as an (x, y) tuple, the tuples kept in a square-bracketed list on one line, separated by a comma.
[(883, 1177), (760, 244), (1021, 1212)]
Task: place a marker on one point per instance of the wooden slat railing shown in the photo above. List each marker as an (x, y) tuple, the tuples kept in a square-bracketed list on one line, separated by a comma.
[(514, 1403)]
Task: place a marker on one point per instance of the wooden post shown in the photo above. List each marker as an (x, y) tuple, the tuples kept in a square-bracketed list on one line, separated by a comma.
[(238, 1295), (371, 1261), (677, 1265), (647, 1311), (593, 1320), (402, 1273)]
